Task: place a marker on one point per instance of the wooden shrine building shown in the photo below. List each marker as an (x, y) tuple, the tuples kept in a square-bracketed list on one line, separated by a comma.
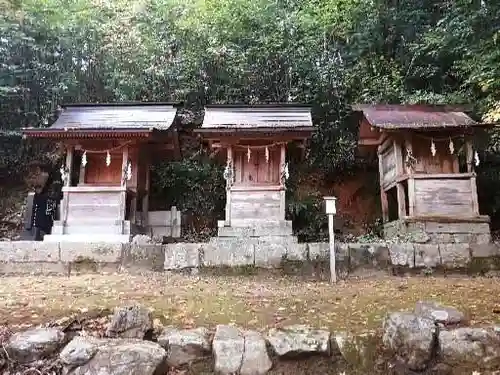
[(106, 175), (426, 165), (253, 141)]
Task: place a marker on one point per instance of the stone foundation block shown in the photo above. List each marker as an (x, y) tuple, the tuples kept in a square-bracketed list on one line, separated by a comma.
[(368, 255), (455, 255), (230, 252), (34, 268), (402, 255), (182, 255), (147, 256), (97, 252), (29, 251), (318, 250), (297, 251), (427, 255), (269, 255)]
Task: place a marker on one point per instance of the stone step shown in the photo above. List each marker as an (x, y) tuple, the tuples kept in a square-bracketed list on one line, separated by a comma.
[(90, 227), (255, 228), (85, 238), (248, 196), (93, 229), (262, 241)]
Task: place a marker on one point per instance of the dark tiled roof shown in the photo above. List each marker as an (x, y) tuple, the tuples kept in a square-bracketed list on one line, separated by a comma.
[(414, 116), (116, 116), (255, 117)]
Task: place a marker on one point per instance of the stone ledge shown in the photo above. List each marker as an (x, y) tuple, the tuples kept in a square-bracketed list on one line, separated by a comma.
[(266, 252), (33, 268), (99, 252), (29, 251)]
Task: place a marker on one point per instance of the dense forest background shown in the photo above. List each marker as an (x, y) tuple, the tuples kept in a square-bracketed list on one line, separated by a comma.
[(328, 53)]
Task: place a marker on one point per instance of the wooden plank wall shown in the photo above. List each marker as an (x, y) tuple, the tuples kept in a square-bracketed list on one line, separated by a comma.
[(98, 173), (256, 204), (442, 162), (444, 197), (96, 205), (257, 170), (388, 165)]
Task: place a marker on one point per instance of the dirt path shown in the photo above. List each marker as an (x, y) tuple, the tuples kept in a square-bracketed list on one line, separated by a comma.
[(251, 301)]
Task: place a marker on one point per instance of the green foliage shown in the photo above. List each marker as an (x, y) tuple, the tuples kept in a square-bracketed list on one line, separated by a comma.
[(195, 186), (179, 181), (328, 53), (309, 219)]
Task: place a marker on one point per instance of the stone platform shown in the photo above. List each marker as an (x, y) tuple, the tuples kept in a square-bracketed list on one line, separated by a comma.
[(440, 230), (259, 242), (94, 230)]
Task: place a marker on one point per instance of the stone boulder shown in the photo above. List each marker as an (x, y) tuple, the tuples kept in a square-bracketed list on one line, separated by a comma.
[(359, 351), (185, 346), (130, 322), (90, 356), (446, 315), (34, 344), (475, 347), (239, 352), (411, 338), (299, 339)]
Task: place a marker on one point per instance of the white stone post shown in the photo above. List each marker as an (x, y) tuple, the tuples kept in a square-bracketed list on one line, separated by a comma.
[(331, 209)]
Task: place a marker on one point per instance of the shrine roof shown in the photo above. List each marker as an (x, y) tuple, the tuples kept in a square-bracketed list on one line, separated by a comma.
[(109, 119), (258, 117), (392, 117)]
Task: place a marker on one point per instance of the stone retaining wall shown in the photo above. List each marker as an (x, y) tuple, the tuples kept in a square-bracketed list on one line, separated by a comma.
[(431, 339), (25, 257)]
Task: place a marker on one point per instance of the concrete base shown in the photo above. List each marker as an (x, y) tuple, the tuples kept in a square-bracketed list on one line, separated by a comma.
[(440, 231), (255, 228)]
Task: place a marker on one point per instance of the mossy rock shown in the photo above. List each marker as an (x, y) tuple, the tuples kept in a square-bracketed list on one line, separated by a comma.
[(481, 265), (85, 264)]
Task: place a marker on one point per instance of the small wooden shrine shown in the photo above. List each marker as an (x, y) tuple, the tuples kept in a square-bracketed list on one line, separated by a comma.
[(106, 175), (253, 140), (426, 162)]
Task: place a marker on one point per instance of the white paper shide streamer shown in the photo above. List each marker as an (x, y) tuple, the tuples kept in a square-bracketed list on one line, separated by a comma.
[(108, 158), (129, 171), (64, 174), (476, 158), (451, 147), (267, 154), (84, 159), (433, 148), (249, 154)]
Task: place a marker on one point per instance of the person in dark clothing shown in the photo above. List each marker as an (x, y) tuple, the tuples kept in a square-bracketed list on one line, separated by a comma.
[(41, 222), (43, 212)]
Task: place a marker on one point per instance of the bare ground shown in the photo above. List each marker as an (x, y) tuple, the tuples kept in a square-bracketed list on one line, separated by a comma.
[(251, 301)]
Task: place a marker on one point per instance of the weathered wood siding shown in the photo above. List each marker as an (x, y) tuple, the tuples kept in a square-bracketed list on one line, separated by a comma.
[(257, 170), (256, 204), (98, 173), (388, 165), (442, 162), (443, 197)]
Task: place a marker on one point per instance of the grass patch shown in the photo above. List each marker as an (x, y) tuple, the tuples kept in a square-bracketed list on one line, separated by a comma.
[(256, 302)]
